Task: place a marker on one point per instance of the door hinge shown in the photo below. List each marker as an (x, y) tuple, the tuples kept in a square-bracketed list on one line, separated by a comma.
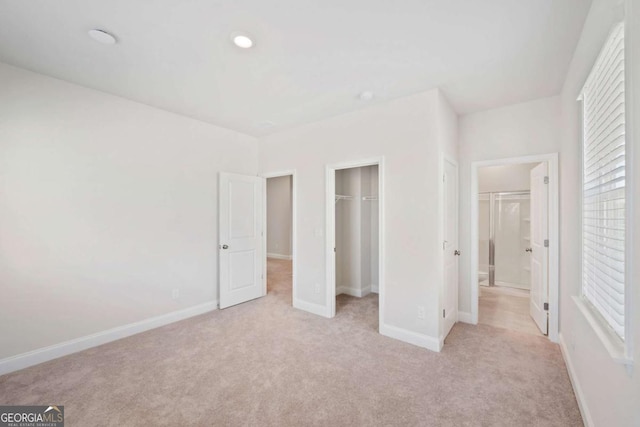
[(546, 243), (443, 314), (546, 179), (546, 306)]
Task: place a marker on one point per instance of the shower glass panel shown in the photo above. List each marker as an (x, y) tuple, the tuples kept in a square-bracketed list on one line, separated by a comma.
[(504, 226)]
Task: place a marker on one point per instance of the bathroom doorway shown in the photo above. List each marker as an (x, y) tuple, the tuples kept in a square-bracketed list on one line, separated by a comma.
[(515, 244)]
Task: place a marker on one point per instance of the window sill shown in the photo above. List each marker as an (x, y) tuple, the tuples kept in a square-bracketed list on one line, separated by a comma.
[(614, 345)]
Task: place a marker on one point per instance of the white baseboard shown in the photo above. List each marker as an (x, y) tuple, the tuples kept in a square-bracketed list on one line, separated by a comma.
[(354, 292), (375, 289), (55, 351), (279, 256), (311, 307), (415, 338), (465, 317), (582, 403)]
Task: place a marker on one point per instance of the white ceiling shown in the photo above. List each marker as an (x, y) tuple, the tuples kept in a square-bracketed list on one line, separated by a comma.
[(311, 58)]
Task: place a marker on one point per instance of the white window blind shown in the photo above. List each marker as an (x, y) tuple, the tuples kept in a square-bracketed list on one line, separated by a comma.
[(603, 230)]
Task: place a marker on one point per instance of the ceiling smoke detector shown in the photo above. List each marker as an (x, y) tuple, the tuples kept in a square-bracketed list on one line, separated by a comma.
[(102, 36)]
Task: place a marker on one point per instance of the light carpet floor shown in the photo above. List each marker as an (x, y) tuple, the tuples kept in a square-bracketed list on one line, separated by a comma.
[(264, 363)]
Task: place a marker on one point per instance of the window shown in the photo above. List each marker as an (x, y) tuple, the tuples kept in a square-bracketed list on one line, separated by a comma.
[(603, 179)]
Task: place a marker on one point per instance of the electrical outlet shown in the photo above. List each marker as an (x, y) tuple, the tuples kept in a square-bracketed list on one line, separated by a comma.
[(175, 294), (421, 312)]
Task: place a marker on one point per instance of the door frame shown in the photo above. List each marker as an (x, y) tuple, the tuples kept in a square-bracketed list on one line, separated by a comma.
[(554, 234), (294, 229), (330, 231)]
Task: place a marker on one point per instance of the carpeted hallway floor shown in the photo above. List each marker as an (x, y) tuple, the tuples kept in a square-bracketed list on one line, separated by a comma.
[(264, 363)]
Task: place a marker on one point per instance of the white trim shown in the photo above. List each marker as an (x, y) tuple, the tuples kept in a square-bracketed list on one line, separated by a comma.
[(554, 234), (415, 338), (294, 229), (374, 288), (466, 317), (354, 292), (330, 189), (312, 308), (55, 351), (582, 402), (279, 256)]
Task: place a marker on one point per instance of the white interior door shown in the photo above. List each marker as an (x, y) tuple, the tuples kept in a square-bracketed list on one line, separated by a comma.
[(539, 250), (240, 256), (450, 246)]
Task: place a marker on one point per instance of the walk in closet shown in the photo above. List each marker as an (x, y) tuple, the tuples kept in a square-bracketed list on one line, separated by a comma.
[(356, 213)]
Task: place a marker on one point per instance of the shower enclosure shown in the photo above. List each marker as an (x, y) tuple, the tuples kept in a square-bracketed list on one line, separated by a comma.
[(504, 245)]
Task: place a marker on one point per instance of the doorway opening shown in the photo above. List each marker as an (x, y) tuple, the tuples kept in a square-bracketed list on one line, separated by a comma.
[(504, 247), (280, 236), (355, 285), (514, 244)]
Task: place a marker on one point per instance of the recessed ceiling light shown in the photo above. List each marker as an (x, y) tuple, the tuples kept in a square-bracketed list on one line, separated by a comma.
[(366, 96), (102, 37), (242, 40)]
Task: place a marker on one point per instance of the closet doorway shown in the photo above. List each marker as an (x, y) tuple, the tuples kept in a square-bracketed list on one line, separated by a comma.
[(355, 241)]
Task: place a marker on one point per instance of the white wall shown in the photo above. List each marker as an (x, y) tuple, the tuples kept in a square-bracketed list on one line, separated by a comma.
[(372, 205), (348, 233), (505, 178), (407, 133), (106, 206), (514, 131), (369, 228), (608, 393), (279, 216)]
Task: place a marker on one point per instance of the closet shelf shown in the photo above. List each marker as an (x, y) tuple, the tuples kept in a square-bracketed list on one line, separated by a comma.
[(526, 219), (526, 237), (343, 197), (369, 197)]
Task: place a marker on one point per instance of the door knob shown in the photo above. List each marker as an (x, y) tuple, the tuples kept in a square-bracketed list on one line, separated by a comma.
[(456, 252), (225, 246), (528, 250)]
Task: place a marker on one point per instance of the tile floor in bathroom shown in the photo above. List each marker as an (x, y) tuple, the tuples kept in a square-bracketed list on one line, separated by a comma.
[(507, 308)]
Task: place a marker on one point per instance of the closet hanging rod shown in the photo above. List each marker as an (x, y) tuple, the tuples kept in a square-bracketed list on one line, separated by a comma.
[(343, 197), (369, 197)]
